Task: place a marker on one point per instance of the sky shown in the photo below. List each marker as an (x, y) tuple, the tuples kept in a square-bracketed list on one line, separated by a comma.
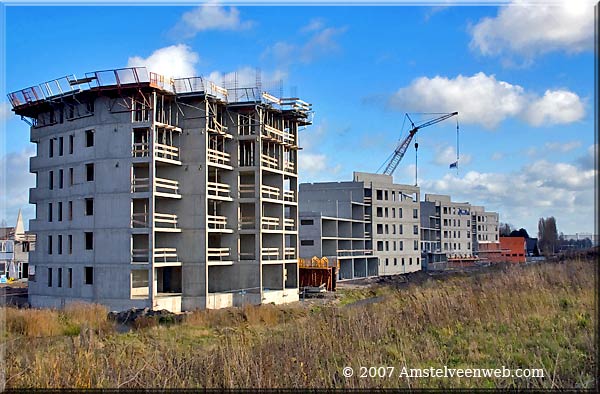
[(520, 76)]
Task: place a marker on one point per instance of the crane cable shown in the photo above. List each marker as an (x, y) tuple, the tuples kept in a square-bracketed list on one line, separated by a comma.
[(457, 146)]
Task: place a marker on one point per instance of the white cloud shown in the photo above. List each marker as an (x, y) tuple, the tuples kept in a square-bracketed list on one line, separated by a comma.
[(445, 155), (173, 61), (322, 42), (246, 76), (531, 29), (563, 147), (555, 107), (210, 16), (314, 25), (482, 99), (541, 188), (5, 111), (313, 165), (587, 161), (15, 176)]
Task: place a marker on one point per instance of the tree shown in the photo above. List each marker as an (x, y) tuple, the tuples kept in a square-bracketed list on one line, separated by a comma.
[(505, 229), (519, 233), (547, 235)]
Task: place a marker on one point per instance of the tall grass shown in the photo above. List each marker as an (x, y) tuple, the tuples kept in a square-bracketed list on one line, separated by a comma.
[(524, 317)]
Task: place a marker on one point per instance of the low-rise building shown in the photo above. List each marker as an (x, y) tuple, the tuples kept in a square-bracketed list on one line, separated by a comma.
[(513, 249), (15, 244)]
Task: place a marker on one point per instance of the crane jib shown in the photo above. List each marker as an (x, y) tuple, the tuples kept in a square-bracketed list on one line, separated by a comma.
[(393, 162)]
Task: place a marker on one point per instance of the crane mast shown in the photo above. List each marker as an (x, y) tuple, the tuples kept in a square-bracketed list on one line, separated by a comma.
[(400, 150)]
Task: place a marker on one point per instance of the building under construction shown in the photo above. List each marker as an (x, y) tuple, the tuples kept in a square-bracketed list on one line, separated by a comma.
[(370, 225), (161, 193)]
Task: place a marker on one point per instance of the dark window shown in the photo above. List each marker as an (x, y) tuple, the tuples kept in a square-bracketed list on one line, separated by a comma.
[(60, 211), (89, 206), (89, 171), (89, 138), (60, 179), (70, 241), (60, 277), (70, 210), (61, 141), (379, 194), (70, 277), (89, 275), (307, 242), (395, 261), (415, 213), (60, 244), (89, 241), (410, 261), (387, 261), (49, 244), (51, 148), (49, 211), (71, 177), (415, 229), (307, 222), (71, 143), (49, 277), (400, 213), (418, 261), (51, 180)]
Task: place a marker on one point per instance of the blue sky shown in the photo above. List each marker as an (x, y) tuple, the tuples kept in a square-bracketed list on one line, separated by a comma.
[(520, 77)]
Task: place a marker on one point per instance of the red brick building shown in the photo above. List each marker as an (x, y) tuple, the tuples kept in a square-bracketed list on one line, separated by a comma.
[(513, 249)]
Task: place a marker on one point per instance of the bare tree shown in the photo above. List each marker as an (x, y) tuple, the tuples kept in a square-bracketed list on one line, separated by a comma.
[(505, 229), (547, 235)]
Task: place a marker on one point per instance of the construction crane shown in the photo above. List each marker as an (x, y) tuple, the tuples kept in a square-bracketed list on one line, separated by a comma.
[(391, 164)]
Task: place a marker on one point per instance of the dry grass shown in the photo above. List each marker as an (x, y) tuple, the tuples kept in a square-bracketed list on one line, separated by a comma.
[(525, 317)]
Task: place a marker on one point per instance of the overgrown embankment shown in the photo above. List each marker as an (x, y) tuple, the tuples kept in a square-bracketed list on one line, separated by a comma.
[(539, 316)]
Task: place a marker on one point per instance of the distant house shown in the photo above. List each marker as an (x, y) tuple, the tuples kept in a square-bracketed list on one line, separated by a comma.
[(15, 245), (532, 247), (513, 249)]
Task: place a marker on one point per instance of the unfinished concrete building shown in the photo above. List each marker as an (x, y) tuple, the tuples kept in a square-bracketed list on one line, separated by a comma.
[(370, 225), (448, 231), (176, 194)]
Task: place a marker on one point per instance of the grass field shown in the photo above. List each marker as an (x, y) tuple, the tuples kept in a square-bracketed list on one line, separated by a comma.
[(538, 316)]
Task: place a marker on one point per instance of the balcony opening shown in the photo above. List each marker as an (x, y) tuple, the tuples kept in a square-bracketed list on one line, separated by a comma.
[(139, 284), (140, 252), (217, 186), (168, 280), (247, 185), (217, 248), (141, 147), (290, 276), (271, 247), (247, 217), (247, 246), (247, 154), (272, 277), (139, 217)]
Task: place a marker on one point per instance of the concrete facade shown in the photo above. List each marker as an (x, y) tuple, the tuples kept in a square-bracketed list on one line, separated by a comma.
[(164, 194), (369, 216), (455, 226), (485, 228)]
